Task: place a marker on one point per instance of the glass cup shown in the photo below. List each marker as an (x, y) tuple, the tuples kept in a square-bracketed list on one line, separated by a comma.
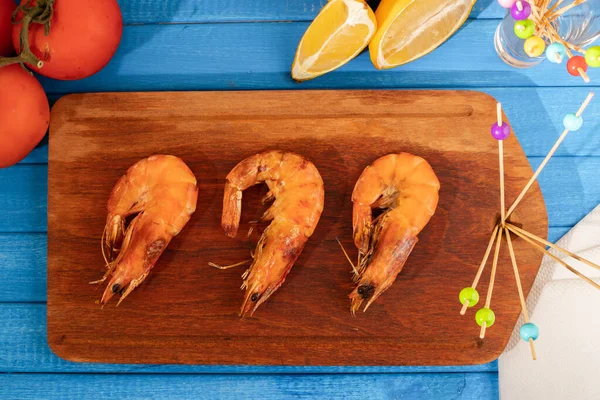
[(579, 25)]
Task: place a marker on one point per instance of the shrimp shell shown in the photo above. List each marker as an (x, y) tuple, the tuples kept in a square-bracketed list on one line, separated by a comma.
[(406, 188), (296, 189), (160, 194)]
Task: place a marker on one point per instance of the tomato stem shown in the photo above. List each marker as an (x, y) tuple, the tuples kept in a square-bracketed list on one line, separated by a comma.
[(39, 13)]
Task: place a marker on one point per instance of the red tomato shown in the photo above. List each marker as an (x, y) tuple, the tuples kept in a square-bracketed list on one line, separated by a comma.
[(6, 9), (84, 35), (24, 114)]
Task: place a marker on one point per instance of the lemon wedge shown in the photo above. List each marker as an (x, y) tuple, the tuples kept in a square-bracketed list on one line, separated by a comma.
[(339, 33), (410, 29)]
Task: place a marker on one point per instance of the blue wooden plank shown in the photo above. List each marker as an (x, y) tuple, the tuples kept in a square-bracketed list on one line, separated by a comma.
[(476, 386), (570, 186), (200, 11), (23, 198), (23, 265), (536, 117), (39, 155), (23, 348), (259, 56)]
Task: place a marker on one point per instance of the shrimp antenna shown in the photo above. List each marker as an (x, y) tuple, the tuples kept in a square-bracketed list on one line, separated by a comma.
[(250, 242), (347, 257), (212, 264)]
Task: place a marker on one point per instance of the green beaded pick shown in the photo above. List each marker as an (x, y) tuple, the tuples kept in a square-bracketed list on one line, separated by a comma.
[(485, 315), (469, 295), (524, 29), (592, 56)]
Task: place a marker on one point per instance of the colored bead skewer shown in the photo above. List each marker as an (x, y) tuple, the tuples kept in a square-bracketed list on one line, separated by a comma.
[(466, 293), (506, 3), (547, 158), (524, 29), (500, 131), (592, 56), (534, 24), (563, 263), (555, 247), (556, 52), (520, 10), (485, 316), (513, 260), (577, 66), (506, 132)]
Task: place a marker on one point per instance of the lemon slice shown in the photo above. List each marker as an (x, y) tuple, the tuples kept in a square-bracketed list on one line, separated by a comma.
[(409, 29), (339, 33)]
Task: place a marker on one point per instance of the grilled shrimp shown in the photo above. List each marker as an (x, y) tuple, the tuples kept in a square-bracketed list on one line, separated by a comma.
[(406, 188), (159, 193), (296, 189)]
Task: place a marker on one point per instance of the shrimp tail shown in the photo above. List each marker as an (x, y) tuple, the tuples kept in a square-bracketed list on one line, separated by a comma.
[(362, 221), (232, 209), (379, 272), (406, 190), (147, 207), (296, 195)]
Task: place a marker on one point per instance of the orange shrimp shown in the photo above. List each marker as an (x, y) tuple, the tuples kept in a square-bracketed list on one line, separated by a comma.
[(160, 194), (296, 189), (406, 188)]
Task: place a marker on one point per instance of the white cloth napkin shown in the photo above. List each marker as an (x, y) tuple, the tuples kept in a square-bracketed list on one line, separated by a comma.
[(566, 310)]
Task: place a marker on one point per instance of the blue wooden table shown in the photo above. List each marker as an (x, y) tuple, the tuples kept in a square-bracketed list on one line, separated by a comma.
[(249, 44)]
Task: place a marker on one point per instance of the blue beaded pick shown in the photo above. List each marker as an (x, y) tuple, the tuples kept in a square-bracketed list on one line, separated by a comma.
[(529, 331)]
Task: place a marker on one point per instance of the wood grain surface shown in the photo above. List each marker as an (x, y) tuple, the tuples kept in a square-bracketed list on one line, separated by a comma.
[(186, 311)]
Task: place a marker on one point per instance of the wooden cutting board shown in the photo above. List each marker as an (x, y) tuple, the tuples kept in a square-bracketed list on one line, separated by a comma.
[(187, 311)]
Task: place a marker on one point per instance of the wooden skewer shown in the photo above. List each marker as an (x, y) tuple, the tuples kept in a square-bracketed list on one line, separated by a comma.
[(543, 18), (555, 6), (513, 260), (548, 156), (501, 160), (556, 36), (555, 247), (481, 266), (482, 331), (584, 104), (568, 46), (583, 74), (564, 264), (566, 8), (488, 299)]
